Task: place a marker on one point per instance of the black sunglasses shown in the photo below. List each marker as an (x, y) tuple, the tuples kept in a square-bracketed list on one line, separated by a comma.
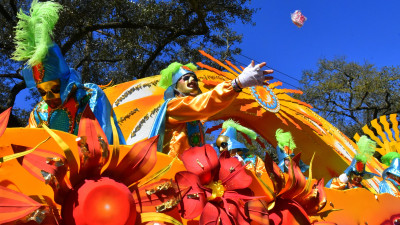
[(186, 77)]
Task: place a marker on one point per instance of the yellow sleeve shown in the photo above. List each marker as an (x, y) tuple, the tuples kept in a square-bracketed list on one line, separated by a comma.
[(186, 109)]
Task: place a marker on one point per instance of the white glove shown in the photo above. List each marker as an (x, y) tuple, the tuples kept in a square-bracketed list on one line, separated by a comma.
[(343, 178), (252, 75)]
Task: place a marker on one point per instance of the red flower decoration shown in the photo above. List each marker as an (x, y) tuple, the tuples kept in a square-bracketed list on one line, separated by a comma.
[(215, 188)]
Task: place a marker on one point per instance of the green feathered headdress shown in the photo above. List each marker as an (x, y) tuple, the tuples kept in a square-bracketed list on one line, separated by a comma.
[(366, 148), (284, 139), (238, 127), (388, 157), (33, 33), (170, 74)]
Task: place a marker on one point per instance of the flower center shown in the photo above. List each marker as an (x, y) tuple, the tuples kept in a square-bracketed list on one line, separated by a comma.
[(102, 201), (217, 188)]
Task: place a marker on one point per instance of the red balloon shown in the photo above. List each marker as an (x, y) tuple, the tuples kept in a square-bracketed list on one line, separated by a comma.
[(100, 202)]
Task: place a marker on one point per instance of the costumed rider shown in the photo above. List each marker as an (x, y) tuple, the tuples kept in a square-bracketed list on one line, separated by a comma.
[(64, 97), (227, 141), (178, 120), (353, 176), (284, 150), (391, 175)]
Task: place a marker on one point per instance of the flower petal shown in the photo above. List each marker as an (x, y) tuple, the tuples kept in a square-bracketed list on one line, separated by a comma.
[(257, 211), (213, 215), (47, 166), (275, 172), (39, 160), (233, 174), (15, 205), (193, 200), (93, 144), (288, 212), (202, 161), (236, 212), (138, 162), (315, 199), (4, 116), (296, 181)]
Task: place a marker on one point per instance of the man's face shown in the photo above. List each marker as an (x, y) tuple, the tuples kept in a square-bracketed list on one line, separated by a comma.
[(188, 85), (50, 92)]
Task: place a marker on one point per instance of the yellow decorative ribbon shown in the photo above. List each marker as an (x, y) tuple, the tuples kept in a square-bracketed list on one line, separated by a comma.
[(20, 154), (72, 163), (115, 153), (308, 185), (158, 174), (151, 216)]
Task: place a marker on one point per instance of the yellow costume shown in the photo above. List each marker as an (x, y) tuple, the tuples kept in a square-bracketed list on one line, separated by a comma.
[(186, 109)]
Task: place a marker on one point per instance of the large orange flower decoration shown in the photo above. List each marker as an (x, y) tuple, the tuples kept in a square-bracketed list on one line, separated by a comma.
[(292, 198), (97, 189)]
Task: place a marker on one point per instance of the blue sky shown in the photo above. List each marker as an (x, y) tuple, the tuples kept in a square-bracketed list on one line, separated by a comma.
[(362, 31)]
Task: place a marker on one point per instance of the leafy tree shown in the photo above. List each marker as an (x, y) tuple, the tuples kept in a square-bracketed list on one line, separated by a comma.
[(350, 95), (123, 40)]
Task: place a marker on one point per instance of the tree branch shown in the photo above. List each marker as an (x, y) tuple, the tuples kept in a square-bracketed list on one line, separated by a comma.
[(112, 25), (14, 92), (12, 75), (6, 15)]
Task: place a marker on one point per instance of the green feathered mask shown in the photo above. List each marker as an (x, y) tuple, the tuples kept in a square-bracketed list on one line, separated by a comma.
[(366, 148), (33, 33), (284, 139), (173, 72), (238, 127)]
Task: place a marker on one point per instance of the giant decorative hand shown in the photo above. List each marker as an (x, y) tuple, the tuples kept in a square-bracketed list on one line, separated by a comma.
[(252, 75)]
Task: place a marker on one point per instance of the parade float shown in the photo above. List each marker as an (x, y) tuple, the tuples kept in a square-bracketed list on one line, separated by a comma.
[(76, 176), (53, 166)]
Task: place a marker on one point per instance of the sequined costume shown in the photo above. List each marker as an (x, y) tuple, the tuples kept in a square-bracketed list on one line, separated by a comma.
[(356, 168), (389, 185), (74, 97), (353, 176)]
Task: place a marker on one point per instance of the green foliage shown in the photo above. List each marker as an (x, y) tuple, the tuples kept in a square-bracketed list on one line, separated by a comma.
[(349, 95), (122, 40)]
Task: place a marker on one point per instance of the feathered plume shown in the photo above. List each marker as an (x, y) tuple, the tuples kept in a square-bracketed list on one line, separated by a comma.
[(284, 139), (167, 73), (238, 127), (33, 33), (388, 157), (366, 148)]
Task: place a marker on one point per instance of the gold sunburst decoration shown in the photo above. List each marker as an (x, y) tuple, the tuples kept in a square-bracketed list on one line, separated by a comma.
[(268, 98)]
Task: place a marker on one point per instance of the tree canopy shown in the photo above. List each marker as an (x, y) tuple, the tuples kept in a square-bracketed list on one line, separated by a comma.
[(349, 94), (123, 40)]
